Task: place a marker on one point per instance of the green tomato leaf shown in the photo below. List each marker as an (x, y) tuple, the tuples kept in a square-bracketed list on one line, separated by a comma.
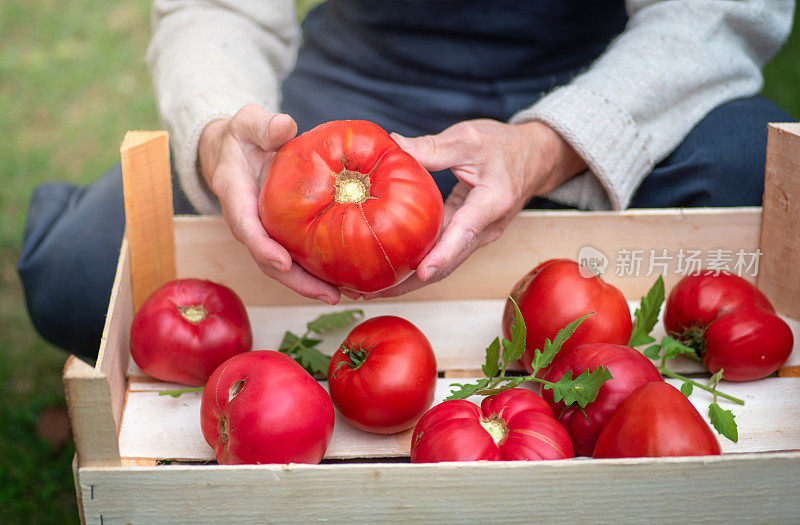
[(512, 350), (288, 343), (314, 361), (581, 390), (687, 389), (652, 352), (463, 391), (492, 366), (542, 358), (716, 378), (723, 421), (673, 348), (327, 322), (646, 315)]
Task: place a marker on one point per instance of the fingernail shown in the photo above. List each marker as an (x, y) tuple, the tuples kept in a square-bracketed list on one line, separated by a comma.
[(277, 265), (429, 272), (324, 298)]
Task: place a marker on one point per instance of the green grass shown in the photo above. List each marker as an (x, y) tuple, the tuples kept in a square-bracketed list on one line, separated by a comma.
[(72, 81)]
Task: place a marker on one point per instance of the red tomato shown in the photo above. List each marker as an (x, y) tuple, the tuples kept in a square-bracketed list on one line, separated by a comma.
[(656, 420), (629, 369), (262, 407), (730, 324), (515, 424), (383, 377), (351, 206), (187, 328), (554, 294)]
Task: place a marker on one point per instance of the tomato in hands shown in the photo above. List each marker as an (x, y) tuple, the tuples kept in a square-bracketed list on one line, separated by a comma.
[(350, 206), (656, 420), (187, 328), (383, 377), (515, 424), (262, 407), (629, 370), (730, 323), (556, 293)]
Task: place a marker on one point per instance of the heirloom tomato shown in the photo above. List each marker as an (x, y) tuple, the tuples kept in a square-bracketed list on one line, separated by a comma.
[(262, 407), (629, 370), (557, 292), (515, 424), (350, 206), (187, 328), (383, 377), (731, 325), (656, 419)]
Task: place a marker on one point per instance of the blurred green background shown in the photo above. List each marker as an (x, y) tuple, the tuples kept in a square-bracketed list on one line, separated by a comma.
[(72, 81)]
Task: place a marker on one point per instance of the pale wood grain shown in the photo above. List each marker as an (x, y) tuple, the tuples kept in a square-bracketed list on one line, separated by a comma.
[(77, 483), (751, 488), (779, 277), (148, 210)]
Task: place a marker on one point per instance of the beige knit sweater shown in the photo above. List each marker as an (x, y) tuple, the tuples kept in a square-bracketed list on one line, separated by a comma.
[(675, 61)]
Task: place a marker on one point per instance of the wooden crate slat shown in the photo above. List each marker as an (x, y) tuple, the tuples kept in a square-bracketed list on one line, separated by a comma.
[(163, 427), (205, 247), (727, 489)]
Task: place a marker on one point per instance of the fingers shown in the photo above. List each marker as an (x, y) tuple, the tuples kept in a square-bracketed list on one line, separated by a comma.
[(303, 283), (254, 124), (434, 152)]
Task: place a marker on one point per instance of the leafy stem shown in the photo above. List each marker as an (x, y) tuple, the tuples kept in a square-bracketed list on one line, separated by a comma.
[(304, 349), (177, 393), (712, 389)]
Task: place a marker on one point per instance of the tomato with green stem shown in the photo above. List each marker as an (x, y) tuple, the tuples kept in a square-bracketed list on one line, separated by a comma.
[(383, 377)]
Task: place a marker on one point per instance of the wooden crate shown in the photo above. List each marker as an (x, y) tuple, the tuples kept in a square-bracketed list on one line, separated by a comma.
[(141, 458)]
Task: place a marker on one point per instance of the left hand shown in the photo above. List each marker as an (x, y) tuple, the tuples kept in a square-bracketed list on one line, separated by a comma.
[(499, 168)]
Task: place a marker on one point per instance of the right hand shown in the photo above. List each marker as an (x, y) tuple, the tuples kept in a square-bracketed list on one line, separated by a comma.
[(233, 154)]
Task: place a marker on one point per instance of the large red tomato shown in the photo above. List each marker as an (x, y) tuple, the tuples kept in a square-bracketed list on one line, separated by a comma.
[(351, 206), (515, 424), (262, 407), (730, 324), (629, 369), (656, 420), (383, 377), (187, 328), (557, 292)]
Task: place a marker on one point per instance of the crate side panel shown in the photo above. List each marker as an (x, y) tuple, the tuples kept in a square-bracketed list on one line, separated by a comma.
[(206, 248), (733, 489), (164, 427)]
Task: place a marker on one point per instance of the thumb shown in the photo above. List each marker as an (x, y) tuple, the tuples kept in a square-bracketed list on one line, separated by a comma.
[(429, 150)]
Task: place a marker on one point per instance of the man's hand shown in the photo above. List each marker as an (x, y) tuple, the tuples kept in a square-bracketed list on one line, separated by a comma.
[(499, 167), (233, 155)]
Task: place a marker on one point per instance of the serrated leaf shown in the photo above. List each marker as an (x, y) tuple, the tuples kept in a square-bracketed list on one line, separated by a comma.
[(327, 322), (581, 390), (646, 315), (463, 391), (673, 348), (513, 349), (492, 365), (288, 343), (542, 358), (314, 361), (652, 352), (723, 421), (687, 389)]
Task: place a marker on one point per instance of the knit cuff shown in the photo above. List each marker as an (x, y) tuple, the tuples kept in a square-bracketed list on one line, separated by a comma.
[(605, 136)]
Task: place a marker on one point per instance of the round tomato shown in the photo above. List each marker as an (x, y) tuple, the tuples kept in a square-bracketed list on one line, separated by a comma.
[(350, 206), (383, 377), (262, 407), (187, 328), (515, 424), (656, 420), (730, 323), (629, 369), (557, 292)]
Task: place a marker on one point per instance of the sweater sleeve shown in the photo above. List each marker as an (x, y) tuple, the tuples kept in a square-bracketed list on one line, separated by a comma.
[(208, 59), (674, 62)]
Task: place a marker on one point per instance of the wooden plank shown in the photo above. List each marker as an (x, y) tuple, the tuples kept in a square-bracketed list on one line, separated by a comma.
[(76, 481), (163, 427), (148, 210), (90, 411), (723, 489), (206, 248), (780, 234), (114, 353)]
